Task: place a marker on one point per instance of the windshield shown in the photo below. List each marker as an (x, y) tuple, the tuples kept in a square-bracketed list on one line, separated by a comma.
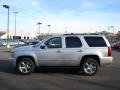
[(38, 43)]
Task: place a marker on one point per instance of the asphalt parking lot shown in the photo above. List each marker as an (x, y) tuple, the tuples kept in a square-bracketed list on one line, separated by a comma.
[(108, 78)]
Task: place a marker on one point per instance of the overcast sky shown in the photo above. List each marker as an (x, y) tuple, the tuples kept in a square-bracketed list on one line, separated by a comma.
[(73, 16)]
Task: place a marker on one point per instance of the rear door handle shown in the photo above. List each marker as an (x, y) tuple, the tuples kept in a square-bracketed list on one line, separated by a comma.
[(80, 50)]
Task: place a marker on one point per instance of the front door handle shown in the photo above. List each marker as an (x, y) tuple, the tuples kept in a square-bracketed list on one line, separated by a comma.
[(58, 51), (80, 50)]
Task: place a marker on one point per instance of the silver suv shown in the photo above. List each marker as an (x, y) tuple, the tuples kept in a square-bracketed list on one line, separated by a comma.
[(88, 52)]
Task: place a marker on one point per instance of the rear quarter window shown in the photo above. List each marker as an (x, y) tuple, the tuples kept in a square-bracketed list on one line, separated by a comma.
[(95, 41)]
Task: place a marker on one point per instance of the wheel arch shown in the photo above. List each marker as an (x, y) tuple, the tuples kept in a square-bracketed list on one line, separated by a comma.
[(26, 56), (96, 57)]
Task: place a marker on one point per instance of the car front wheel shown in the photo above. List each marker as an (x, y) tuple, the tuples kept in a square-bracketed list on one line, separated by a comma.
[(25, 66)]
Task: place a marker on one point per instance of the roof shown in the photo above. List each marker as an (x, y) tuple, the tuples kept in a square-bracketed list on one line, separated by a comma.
[(81, 34)]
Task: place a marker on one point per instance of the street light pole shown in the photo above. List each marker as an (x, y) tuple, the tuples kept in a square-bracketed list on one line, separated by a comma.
[(7, 6), (39, 23), (113, 31), (49, 28), (108, 33), (15, 23)]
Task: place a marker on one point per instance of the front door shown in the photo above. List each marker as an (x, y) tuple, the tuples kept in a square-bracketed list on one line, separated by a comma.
[(51, 55)]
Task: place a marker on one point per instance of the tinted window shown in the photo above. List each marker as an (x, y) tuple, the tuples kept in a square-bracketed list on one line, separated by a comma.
[(73, 42), (95, 41), (54, 43)]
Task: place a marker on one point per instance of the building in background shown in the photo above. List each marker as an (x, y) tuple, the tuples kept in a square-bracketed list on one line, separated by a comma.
[(19, 35), (2, 33)]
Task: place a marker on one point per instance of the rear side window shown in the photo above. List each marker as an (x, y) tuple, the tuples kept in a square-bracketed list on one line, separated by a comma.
[(95, 41), (73, 42)]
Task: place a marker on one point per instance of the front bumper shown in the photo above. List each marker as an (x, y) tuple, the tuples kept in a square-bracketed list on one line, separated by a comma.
[(13, 61)]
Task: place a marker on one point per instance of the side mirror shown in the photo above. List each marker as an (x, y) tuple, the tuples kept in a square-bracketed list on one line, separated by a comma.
[(42, 46)]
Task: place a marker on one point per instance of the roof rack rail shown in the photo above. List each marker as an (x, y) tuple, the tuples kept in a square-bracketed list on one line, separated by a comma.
[(81, 34)]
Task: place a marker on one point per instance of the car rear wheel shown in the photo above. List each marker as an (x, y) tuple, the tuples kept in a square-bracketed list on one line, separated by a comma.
[(90, 66), (25, 66)]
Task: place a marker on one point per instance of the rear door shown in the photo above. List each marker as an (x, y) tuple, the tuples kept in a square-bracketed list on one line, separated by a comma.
[(72, 51)]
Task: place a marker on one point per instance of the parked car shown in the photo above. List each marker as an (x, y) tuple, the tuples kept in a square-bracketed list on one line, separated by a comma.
[(31, 43), (1, 44), (116, 44), (88, 52), (11, 42)]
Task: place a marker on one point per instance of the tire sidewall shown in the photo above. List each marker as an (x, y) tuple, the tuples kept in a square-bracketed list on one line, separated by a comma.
[(90, 60), (27, 60)]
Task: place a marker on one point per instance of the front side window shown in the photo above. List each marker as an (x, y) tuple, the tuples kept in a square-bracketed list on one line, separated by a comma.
[(54, 43), (73, 42)]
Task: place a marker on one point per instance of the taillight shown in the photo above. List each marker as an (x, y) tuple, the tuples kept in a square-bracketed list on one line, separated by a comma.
[(109, 51)]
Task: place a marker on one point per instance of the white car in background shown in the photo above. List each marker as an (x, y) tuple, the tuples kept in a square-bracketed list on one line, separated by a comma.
[(11, 42)]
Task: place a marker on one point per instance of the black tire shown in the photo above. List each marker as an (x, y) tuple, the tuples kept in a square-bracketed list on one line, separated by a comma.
[(89, 66), (25, 66)]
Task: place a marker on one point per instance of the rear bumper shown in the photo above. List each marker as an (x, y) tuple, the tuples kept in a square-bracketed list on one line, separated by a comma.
[(106, 60)]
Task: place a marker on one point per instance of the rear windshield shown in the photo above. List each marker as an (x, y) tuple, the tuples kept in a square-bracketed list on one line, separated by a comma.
[(95, 41)]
